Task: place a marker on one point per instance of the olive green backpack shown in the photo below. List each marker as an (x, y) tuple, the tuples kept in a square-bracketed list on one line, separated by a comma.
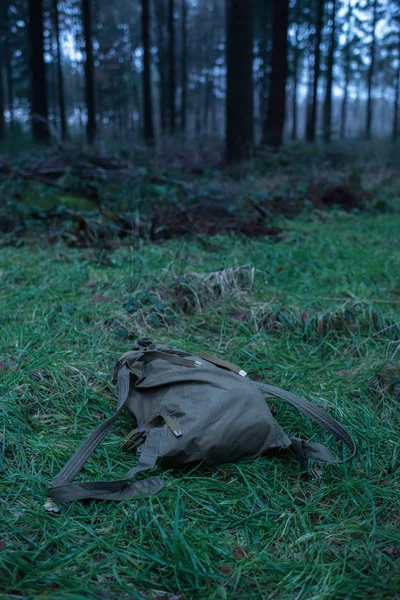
[(189, 409)]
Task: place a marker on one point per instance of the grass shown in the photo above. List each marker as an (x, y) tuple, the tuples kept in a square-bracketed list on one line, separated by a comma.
[(248, 530)]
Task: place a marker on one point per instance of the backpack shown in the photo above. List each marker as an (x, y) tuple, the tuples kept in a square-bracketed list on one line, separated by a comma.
[(189, 409)]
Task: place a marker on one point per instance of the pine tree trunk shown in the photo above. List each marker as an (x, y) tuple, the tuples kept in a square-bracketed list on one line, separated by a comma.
[(89, 72), (266, 31), (7, 58), (371, 72), (312, 122), (208, 94), (396, 99), (239, 94), (197, 115), (329, 78), (3, 35), (147, 99), (161, 63), (295, 74), (2, 120), (343, 112), (184, 64), (308, 112), (274, 124), (347, 73), (10, 89), (60, 76), (39, 114), (171, 57)]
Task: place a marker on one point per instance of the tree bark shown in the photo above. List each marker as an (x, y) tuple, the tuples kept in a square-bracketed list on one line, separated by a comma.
[(2, 120), (89, 72), (239, 94), (312, 121), (171, 56), (147, 98), (275, 121), (371, 72), (8, 64), (3, 34), (161, 53), (295, 73), (265, 35), (10, 87), (184, 64), (329, 78), (347, 73), (39, 114), (396, 100), (61, 97)]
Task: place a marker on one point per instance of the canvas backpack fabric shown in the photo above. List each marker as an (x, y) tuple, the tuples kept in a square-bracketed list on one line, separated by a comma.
[(190, 408)]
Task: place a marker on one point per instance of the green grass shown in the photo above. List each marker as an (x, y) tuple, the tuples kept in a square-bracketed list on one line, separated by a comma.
[(250, 530)]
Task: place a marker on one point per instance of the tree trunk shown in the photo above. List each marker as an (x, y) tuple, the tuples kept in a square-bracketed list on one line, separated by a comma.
[(161, 53), (239, 93), (343, 112), (197, 114), (275, 121), (7, 60), (39, 115), (10, 88), (396, 101), (371, 71), (147, 99), (329, 78), (89, 72), (264, 83), (208, 95), (308, 112), (184, 65), (312, 122), (61, 99), (171, 56), (295, 73), (2, 120)]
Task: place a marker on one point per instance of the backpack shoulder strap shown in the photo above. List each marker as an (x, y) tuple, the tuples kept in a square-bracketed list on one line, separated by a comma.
[(62, 489), (316, 414)]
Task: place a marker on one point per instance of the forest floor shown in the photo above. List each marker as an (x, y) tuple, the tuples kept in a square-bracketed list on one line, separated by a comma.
[(315, 309)]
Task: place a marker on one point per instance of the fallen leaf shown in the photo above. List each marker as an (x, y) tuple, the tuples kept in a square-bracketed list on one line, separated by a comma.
[(100, 298), (51, 506), (391, 551), (305, 317), (345, 373), (7, 364), (226, 569), (257, 377), (225, 475), (239, 553), (239, 316)]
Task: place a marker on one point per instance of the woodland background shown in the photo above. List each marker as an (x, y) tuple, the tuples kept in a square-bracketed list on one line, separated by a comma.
[(257, 71)]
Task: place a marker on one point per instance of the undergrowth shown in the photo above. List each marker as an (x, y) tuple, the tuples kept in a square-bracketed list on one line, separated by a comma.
[(317, 313)]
